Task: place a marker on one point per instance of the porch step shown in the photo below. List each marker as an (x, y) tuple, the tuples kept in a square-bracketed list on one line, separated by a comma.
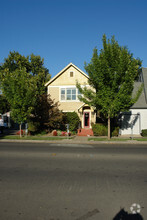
[(85, 132)]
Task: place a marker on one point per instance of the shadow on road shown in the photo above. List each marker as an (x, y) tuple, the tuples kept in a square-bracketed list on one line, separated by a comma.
[(123, 215)]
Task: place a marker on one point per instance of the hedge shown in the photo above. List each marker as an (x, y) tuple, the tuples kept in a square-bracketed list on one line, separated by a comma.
[(99, 129), (144, 132), (73, 120)]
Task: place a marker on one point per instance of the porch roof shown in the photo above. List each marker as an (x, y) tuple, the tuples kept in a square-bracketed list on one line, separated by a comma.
[(80, 109)]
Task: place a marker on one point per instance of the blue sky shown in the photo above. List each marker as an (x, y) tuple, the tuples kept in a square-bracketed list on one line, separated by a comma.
[(64, 31)]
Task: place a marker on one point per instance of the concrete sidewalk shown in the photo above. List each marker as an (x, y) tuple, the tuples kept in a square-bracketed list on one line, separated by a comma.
[(81, 138)]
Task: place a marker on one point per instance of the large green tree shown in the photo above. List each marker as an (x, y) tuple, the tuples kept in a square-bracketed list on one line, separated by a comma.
[(22, 82), (34, 65), (112, 73), (19, 91)]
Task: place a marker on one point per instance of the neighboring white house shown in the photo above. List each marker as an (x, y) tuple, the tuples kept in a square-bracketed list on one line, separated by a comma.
[(135, 120)]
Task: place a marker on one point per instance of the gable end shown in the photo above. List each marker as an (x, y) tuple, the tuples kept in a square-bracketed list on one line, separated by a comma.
[(71, 74)]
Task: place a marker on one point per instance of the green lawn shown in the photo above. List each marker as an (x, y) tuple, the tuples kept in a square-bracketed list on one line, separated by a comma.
[(37, 137), (140, 139), (116, 139), (106, 139)]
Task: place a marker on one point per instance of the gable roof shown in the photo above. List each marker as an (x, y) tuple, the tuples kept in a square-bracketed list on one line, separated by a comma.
[(63, 70), (142, 100)]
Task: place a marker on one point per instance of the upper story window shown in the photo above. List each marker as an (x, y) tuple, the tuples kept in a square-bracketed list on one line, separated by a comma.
[(69, 94), (62, 94), (71, 74)]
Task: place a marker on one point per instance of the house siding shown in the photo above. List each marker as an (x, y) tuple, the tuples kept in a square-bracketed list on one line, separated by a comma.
[(133, 122), (54, 93), (65, 79)]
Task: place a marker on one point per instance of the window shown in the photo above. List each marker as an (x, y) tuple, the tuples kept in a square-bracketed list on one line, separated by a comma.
[(69, 94), (71, 74), (79, 94), (62, 94)]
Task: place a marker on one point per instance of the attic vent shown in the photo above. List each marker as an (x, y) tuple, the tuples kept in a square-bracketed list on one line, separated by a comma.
[(71, 74)]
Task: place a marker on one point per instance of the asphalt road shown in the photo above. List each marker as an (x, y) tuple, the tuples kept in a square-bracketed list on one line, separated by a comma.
[(71, 182)]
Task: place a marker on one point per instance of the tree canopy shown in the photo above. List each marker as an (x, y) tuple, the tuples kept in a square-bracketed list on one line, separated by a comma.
[(20, 93), (22, 81), (112, 73), (34, 65)]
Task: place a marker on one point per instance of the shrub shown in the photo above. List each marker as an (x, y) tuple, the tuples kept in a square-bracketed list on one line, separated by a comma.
[(144, 132), (59, 133), (99, 129), (63, 133), (115, 132), (73, 120), (18, 133), (44, 132), (33, 127), (54, 133)]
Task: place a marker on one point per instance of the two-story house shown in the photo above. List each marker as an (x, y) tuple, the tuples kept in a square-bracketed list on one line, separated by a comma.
[(62, 88)]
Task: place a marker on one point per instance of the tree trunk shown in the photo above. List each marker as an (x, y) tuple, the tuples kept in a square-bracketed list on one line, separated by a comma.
[(109, 128), (20, 129)]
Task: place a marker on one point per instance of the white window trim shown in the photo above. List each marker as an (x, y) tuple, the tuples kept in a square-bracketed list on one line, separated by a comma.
[(68, 87)]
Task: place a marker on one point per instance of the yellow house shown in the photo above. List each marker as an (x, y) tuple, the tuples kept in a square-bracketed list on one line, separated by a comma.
[(62, 88)]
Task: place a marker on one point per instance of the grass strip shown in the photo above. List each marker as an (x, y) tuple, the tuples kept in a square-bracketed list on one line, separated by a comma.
[(16, 137), (140, 139), (106, 139)]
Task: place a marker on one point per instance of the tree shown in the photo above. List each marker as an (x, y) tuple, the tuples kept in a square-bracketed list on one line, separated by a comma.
[(34, 65), (19, 90), (112, 73), (22, 81), (47, 115)]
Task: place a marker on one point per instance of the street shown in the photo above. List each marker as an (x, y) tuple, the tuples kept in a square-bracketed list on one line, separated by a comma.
[(71, 182)]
